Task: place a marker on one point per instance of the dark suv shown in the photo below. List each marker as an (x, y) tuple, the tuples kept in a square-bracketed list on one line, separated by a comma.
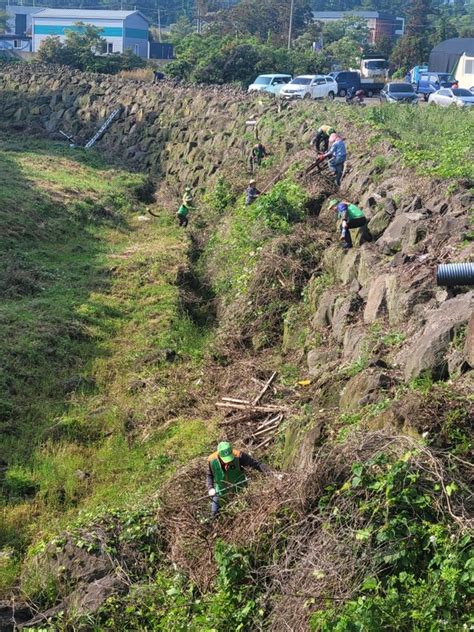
[(398, 93)]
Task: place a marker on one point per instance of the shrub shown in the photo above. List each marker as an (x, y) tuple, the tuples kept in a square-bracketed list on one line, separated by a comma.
[(19, 483)]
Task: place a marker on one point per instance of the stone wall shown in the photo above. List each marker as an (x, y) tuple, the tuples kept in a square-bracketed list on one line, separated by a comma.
[(185, 134), (161, 128)]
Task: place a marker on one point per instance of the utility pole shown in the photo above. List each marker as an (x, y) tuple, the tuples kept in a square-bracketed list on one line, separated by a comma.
[(290, 28)]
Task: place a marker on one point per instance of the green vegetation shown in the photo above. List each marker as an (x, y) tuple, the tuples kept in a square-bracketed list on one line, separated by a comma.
[(108, 386), (90, 320), (233, 251), (170, 600), (413, 130), (83, 49), (427, 567)]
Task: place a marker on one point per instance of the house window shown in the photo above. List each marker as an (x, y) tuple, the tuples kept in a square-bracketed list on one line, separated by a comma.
[(110, 47), (469, 67), (136, 49), (16, 44)]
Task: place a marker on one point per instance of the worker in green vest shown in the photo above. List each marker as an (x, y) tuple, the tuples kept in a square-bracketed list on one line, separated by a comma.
[(182, 215), (188, 196), (351, 216), (321, 140), (226, 473)]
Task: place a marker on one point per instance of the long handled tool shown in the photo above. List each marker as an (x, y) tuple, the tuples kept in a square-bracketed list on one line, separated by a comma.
[(102, 129)]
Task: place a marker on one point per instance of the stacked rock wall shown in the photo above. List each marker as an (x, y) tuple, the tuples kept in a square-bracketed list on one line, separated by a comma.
[(161, 128)]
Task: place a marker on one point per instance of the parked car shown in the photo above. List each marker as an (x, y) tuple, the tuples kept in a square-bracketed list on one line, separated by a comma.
[(452, 96), (310, 87), (269, 83), (430, 82), (395, 92), (346, 79)]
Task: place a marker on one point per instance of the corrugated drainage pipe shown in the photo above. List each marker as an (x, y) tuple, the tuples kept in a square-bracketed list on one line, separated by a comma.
[(451, 274)]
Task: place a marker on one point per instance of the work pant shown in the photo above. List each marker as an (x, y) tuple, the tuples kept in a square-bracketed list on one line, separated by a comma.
[(337, 170), (359, 222), (322, 142), (214, 506), (183, 221)]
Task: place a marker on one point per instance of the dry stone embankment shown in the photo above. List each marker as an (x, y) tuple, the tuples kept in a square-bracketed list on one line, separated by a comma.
[(165, 129)]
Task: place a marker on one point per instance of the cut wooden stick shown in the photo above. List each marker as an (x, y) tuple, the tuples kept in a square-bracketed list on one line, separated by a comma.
[(264, 389), (270, 420), (237, 420), (263, 444), (249, 407), (235, 400), (265, 430)]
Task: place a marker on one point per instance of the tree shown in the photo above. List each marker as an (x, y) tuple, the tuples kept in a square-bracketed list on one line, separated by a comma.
[(269, 20), (384, 45), (413, 47), (53, 51), (345, 52), (181, 29), (83, 48), (351, 27)]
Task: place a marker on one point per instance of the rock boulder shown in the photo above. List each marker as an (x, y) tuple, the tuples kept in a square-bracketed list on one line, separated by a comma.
[(428, 352)]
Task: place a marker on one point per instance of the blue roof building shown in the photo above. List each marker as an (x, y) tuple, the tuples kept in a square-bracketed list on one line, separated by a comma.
[(121, 29)]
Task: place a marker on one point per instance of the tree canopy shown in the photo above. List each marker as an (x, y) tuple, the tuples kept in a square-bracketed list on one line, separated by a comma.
[(83, 49)]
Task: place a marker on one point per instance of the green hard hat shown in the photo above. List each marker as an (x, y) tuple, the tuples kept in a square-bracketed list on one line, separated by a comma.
[(333, 203), (224, 450)]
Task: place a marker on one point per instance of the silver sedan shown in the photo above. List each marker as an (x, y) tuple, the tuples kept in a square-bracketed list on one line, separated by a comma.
[(452, 96)]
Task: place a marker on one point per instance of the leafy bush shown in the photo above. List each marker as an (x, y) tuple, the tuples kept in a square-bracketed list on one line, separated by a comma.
[(227, 59), (221, 197), (233, 251), (426, 566), (170, 600)]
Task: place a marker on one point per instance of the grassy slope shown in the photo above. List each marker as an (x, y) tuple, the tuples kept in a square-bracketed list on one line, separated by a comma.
[(89, 301), (116, 292)]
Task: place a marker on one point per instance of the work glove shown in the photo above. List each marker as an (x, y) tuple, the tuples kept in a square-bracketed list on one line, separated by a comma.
[(212, 492)]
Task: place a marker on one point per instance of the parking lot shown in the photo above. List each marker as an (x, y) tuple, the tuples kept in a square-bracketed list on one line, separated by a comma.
[(375, 100)]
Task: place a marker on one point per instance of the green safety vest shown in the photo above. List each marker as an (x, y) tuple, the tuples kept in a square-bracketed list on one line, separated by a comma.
[(325, 129), (183, 210), (231, 477), (354, 212)]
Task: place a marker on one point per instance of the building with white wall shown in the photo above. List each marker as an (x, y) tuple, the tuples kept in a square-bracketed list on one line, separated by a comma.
[(19, 18), (122, 30)]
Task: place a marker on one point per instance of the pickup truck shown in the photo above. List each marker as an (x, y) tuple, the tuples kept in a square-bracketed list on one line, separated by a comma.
[(430, 82)]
